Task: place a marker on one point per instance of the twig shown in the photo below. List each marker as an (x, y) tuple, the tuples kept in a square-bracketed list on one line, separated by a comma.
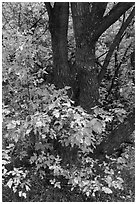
[(102, 55), (117, 66)]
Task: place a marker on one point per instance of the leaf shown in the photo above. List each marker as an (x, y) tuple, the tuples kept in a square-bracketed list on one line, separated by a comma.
[(77, 139), (67, 87), (33, 158), (57, 184), (96, 125), (56, 113), (68, 104), (52, 106), (27, 187), (120, 179), (39, 124), (107, 190), (109, 118), (87, 131), (39, 146), (10, 146), (77, 116), (24, 195), (117, 184), (76, 180), (121, 160), (28, 131), (11, 126), (88, 194), (4, 171), (97, 110), (6, 111), (88, 141), (52, 181), (109, 180), (9, 183), (20, 193), (109, 171)]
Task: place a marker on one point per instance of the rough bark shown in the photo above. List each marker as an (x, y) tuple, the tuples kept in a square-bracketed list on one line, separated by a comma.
[(58, 25), (88, 93), (118, 136)]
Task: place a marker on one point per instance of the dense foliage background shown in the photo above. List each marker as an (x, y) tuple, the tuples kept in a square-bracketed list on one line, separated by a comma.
[(50, 141)]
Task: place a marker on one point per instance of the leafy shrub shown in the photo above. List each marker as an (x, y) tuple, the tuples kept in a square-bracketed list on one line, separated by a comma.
[(56, 143)]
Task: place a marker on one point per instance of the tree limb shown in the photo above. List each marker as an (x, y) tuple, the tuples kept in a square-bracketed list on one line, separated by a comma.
[(102, 55), (98, 9), (111, 18), (116, 41), (117, 69)]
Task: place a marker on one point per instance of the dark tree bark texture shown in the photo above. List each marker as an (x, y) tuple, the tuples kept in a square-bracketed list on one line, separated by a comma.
[(85, 54), (58, 25)]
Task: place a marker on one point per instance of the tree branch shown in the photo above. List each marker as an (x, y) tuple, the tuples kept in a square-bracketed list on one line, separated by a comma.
[(116, 41), (111, 18), (49, 8), (98, 9), (102, 55), (117, 67), (37, 21)]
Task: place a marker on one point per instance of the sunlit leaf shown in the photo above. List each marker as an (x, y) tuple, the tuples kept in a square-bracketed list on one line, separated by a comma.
[(9, 183), (107, 190)]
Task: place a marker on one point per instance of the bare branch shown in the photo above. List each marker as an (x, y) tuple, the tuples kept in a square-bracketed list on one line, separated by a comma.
[(111, 18), (102, 55), (42, 33), (117, 67), (35, 24), (116, 41)]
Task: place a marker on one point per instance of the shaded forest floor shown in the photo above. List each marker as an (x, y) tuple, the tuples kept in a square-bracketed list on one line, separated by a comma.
[(43, 192)]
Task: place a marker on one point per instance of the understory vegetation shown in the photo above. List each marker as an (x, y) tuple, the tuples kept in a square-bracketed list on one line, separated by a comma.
[(54, 149)]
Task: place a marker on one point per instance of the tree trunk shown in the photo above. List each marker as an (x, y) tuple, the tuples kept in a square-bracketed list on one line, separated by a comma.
[(88, 92), (58, 25), (89, 23), (118, 136)]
